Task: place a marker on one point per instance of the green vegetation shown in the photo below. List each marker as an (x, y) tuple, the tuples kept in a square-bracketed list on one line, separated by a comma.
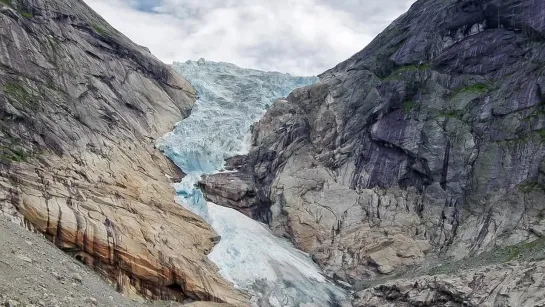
[(405, 68), (21, 95), (525, 251), (451, 114), (541, 134), (13, 153), (413, 67), (477, 88), (52, 48), (12, 148), (513, 252), (408, 106), (21, 11), (51, 86), (26, 14), (537, 114), (17, 92), (534, 135), (525, 137), (529, 186), (531, 251), (100, 30)]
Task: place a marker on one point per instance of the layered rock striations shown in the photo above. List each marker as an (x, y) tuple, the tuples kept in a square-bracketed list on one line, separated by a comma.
[(426, 145), (80, 109)]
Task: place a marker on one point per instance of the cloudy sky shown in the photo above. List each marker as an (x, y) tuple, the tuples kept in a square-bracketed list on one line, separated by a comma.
[(301, 37)]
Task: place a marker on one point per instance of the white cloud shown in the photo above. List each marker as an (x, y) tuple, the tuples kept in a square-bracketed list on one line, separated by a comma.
[(297, 36)]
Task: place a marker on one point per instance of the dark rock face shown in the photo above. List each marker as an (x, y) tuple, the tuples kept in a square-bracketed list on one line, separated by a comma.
[(238, 190), (80, 107), (428, 143)]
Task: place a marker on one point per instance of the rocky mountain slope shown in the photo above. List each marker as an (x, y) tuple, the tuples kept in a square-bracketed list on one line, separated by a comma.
[(424, 149), (80, 109), (49, 277), (231, 99)]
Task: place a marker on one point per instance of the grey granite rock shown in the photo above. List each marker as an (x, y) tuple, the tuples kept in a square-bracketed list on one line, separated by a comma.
[(428, 144), (513, 284), (80, 108)]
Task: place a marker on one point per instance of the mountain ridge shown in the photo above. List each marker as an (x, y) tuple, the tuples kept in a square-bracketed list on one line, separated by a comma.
[(423, 147), (80, 108), (413, 171)]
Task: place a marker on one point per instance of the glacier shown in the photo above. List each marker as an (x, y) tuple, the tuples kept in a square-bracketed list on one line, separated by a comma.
[(230, 100)]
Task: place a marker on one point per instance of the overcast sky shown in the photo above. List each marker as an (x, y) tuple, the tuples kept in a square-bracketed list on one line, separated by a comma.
[(302, 37)]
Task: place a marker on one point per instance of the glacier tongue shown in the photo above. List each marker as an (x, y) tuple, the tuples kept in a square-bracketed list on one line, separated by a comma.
[(230, 100)]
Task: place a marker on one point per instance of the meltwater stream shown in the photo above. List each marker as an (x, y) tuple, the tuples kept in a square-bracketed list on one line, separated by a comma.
[(248, 255)]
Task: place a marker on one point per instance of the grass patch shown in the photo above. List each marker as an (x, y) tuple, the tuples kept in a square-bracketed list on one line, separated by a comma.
[(21, 95), (406, 68), (525, 251), (513, 252), (530, 186), (26, 14), (13, 153), (527, 136), (98, 29), (408, 106), (23, 12), (477, 88), (17, 92)]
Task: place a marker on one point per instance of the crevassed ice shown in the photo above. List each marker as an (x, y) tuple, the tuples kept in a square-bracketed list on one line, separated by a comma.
[(248, 255)]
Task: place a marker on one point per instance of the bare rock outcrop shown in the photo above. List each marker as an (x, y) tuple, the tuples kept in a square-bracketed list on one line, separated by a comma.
[(428, 144), (80, 108), (513, 284)]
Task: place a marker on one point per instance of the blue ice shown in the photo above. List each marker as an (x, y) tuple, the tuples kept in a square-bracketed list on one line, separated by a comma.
[(230, 100)]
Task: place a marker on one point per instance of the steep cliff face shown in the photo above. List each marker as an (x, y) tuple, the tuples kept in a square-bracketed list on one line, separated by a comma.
[(80, 109), (270, 269), (426, 145)]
